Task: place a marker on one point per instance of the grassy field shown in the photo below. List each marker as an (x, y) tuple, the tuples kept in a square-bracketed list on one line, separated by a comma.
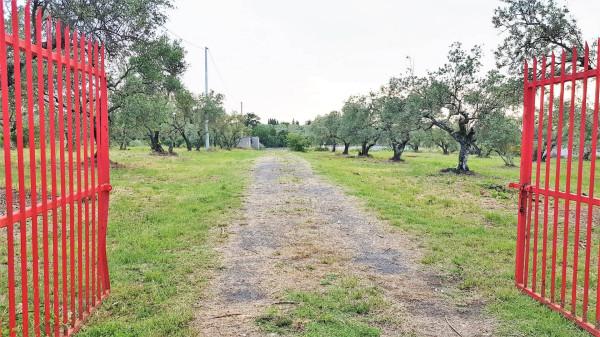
[(341, 310), (163, 207), (467, 226), (161, 211)]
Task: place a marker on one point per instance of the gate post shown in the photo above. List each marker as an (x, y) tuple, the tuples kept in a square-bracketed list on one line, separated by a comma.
[(104, 183), (525, 174)]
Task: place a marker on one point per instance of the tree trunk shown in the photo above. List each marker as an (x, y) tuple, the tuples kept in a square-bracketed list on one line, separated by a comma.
[(199, 141), (188, 144), (463, 157), (368, 148), (587, 153), (445, 150), (398, 150), (346, 148), (485, 153), (333, 147), (171, 145), (364, 151), (155, 142), (123, 143)]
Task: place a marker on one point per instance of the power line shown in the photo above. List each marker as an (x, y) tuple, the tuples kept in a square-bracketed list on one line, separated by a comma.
[(210, 54), (193, 44), (212, 60)]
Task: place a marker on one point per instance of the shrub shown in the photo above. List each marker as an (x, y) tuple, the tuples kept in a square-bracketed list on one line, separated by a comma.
[(297, 142)]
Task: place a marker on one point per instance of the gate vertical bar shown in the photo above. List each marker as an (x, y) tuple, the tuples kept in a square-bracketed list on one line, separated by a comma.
[(77, 233), (525, 180), (84, 200), (91, 189), (20, 166), (43, 168), (569, 162), (593, 167), (70, 39), (559, 133), (548, 157), (105, 182), (63, 186), (7, 177), (539, 146), (578, 189), (32, 172), (590, 210), (95, 201)]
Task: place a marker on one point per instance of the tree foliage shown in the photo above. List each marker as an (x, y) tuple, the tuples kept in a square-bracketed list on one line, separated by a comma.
[(534, 28), (501, 134), (297, 142)]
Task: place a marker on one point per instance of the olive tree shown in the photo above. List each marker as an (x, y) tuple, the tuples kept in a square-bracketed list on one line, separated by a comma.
[(210, 109), (157, 74), (326, 130), (229, 130), (500, 134), (397, 117), (360, 122), (457, 96)]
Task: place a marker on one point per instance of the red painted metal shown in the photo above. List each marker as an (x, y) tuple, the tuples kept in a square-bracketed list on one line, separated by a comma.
[(56, 176), (557, 225)]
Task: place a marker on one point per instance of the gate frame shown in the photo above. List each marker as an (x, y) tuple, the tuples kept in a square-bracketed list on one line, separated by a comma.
[(527, 191), (88, 65)]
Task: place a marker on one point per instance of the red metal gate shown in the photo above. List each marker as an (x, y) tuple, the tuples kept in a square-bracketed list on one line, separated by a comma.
[(53, 216), (558, 239)]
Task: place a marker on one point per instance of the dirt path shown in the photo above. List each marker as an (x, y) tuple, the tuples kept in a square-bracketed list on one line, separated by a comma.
[(297, 229)]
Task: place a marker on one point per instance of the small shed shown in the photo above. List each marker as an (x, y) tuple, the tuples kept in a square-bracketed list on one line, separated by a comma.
[(250, 143)]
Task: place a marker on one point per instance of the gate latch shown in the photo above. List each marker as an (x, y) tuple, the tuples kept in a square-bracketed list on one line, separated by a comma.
[(524, 190), (515, 186), (106, 187)]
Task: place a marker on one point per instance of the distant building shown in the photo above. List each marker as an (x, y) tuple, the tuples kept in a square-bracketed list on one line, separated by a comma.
[(250, 143), (564, 152)]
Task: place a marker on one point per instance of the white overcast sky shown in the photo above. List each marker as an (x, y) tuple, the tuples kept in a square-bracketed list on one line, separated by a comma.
[(299, 59)]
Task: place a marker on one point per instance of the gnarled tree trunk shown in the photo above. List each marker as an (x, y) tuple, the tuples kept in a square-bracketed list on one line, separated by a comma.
[(188, 144), (155, 142), (398, 148), (364, 149), (463, 157), (346, 148)]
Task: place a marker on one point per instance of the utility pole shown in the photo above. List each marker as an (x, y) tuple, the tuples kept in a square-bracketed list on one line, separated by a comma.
[(241, 108), (207, 136)]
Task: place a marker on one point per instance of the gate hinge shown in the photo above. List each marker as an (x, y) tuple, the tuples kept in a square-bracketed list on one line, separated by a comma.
[(105, 187)]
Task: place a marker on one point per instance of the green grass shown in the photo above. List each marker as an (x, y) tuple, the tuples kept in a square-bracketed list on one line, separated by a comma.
[(338, 309), (161, 211), (467, 226)]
